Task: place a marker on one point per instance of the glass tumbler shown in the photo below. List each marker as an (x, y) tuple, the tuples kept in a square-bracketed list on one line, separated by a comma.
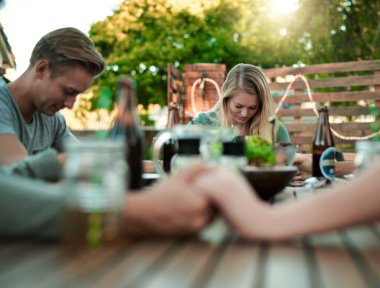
[(95, 187), (367, 152)]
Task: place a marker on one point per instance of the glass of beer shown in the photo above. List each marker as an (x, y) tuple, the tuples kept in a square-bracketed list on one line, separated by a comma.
[(95, 186)]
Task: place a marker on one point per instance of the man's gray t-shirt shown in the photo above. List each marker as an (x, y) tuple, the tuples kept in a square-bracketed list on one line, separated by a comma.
[(42, 133)]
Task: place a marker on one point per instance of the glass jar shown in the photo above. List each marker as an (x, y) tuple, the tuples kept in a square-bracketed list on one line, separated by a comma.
[(234, 154), (367, 152), (188, 153), (95, 187)]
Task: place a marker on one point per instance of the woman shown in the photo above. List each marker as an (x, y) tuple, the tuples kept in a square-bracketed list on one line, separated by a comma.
[(246, 103)]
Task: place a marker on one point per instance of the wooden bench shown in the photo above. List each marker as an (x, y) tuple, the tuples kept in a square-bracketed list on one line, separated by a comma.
[(351, 90)]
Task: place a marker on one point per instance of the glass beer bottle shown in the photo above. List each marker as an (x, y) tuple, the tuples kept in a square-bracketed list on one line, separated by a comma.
[(127, 124), (323, 147), (170, 147)]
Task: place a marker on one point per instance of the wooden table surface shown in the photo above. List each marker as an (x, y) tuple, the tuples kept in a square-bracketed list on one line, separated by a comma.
[(349, 258)]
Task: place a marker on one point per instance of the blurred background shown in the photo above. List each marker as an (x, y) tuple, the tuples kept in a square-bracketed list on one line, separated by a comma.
[(141, 37)]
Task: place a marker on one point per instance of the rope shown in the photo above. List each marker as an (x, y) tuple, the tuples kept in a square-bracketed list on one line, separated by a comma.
[(200, 81), (337, 134)]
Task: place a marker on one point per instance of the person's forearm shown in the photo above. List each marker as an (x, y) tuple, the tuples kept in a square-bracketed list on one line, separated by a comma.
[(30, 209), (344, 168), (44, 165), (136, 214), (347, 205), (356, 202)]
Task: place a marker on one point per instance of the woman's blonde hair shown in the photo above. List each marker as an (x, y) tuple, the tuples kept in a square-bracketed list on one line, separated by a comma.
[(251, 80)]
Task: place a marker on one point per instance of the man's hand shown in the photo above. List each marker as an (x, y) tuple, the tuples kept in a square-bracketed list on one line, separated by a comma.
[(172, 207)]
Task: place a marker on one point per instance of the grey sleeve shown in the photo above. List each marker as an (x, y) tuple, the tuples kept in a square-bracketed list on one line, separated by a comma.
[(198, 120), (282, 134), (30, 209), (205, 119), (7, 116), (63, 134), (43, 165)]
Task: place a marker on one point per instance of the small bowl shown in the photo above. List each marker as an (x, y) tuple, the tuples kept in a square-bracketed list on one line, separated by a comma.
[(268, 181)]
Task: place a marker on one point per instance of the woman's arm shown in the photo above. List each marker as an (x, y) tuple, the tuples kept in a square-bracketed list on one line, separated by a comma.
[(304, 164), (346, 205)]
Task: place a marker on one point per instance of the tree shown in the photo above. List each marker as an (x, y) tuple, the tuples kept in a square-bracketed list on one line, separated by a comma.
[(143, 36), (335, 30)]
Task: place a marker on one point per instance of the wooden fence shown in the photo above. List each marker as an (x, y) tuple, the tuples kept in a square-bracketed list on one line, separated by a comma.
[(351, 90)]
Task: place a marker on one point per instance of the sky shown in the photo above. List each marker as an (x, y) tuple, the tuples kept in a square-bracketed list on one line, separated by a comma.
[(26, 21)]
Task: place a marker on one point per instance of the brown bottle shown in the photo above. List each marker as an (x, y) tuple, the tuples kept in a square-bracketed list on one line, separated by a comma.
[(323, 147), (170, 147), (127, 125)]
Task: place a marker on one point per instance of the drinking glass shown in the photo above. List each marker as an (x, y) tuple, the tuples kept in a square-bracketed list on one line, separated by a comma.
[(95, 186), (367, 152)]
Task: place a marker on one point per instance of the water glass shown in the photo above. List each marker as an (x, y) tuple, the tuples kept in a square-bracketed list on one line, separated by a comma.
[(367, 152), (95, 186)]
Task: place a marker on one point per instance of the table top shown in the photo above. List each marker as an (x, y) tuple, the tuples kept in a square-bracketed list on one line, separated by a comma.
[(347, 258)]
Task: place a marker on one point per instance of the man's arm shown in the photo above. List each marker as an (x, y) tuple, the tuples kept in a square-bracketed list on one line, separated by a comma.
[(11, 150), (46, 165), (30, 209)]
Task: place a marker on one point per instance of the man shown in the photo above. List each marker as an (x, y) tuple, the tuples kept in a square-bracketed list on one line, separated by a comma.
[(63, 64)]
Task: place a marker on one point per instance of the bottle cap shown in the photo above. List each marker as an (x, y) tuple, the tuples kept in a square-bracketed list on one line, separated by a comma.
[(189, 146), (234, 148)]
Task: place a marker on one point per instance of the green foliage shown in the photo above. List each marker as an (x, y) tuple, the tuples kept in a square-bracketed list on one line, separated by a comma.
[(143, 36), (336, 31)]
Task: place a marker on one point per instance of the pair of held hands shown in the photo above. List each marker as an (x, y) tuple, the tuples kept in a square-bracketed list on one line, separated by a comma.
[(185, 202), (182, 203)]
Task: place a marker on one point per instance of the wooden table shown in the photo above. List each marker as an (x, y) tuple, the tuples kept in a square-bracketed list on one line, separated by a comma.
[(349, 258)]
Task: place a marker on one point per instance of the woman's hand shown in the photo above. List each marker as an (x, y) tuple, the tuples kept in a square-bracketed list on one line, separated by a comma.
[(304, 165)]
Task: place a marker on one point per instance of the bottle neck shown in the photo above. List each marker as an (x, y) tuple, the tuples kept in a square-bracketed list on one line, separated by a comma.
[(173, 116), (323, 134), (127, 103)]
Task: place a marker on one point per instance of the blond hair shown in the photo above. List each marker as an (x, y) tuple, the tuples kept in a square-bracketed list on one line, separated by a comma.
[(251, 80), (68, 48)]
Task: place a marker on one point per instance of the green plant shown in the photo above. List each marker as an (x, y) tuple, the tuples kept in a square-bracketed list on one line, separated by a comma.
[(259, 151)]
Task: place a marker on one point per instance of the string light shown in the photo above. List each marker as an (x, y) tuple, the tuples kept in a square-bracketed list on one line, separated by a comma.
[(337, 134), (199, 82)]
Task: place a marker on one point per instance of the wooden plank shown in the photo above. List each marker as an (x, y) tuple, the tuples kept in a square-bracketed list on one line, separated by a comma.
[(286, 267), (206, 67), (353, 66), (333, 111), (332, 97), (337, 268), (340, 127), (71, 269), (26, 268), (296, 139), (237, 268), (348, 81), (143, 258), (364, 246), (183, 268)]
